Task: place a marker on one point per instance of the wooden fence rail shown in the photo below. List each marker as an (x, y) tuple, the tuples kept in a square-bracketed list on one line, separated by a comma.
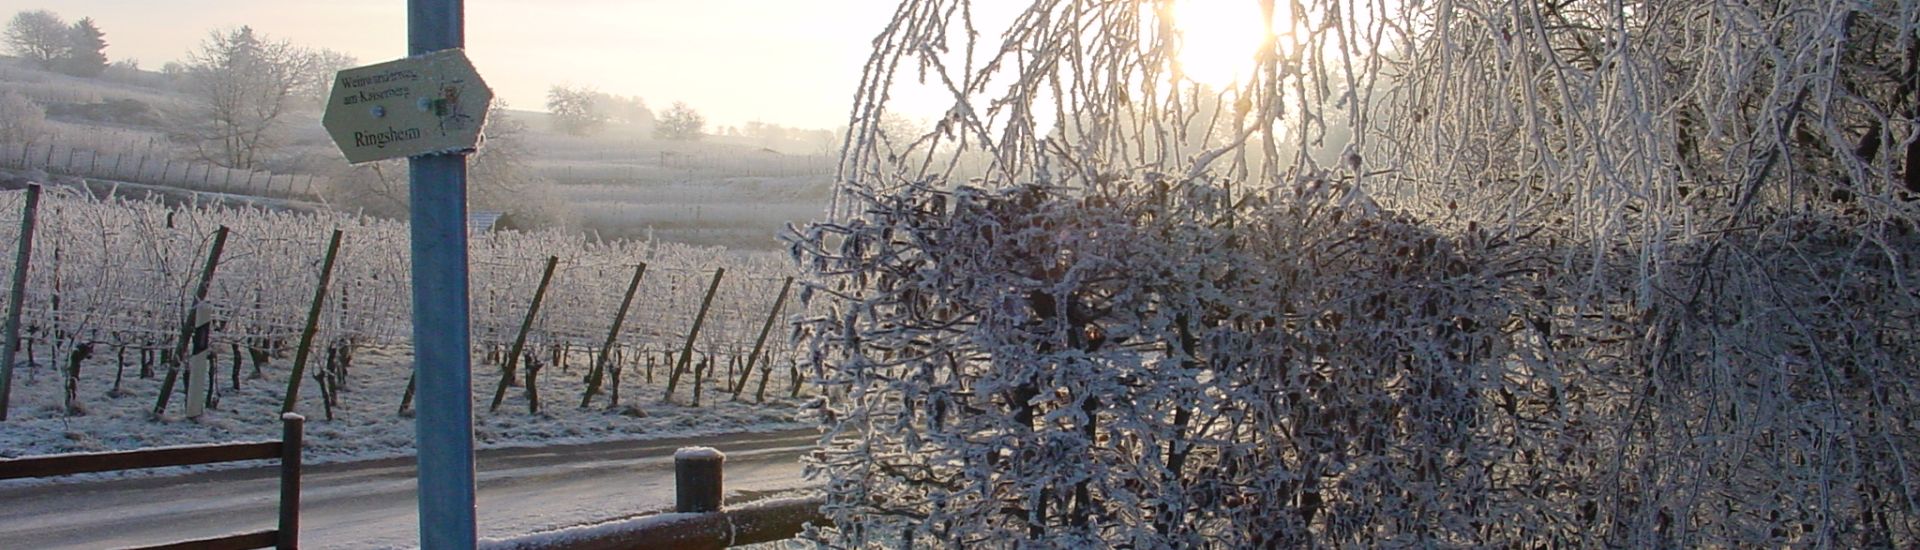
[(699, 521), (286, 536)]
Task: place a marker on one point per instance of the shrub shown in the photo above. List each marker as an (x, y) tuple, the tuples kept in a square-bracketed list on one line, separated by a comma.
[(21, 120), (124, 112)]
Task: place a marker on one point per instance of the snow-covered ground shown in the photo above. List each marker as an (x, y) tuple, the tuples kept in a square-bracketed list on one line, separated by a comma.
[(366, 424)]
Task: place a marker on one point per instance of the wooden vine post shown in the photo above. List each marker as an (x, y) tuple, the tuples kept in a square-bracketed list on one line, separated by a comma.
[(313, 323), (406, 399), (760, 342), (21, 261), (686, 351), (595, 374), (186, 323), (520, 340)]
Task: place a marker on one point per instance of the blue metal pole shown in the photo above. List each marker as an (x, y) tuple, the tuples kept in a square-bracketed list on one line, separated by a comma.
[(443, 425)]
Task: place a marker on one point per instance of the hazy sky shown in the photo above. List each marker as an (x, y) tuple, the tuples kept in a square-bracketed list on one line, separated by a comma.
[(783, 61)]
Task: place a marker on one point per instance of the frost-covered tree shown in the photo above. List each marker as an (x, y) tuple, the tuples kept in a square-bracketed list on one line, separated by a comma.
[(241, 84), (622, 109), (681, 123), (1480, 273), (86, 53), (39, 36), (575, 110), (321, 66)]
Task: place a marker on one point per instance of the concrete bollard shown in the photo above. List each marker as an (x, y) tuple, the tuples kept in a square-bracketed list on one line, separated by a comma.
[(697, 479)]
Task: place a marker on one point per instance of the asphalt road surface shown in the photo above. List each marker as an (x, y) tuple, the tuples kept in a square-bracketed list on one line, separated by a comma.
[(372, 504)]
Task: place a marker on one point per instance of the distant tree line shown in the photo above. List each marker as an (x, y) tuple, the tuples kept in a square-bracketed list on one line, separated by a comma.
[(42, 37), (577, 110), (580, 111), (242, 82)]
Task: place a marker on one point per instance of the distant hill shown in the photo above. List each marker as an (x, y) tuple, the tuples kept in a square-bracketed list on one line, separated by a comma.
[(619, 182)]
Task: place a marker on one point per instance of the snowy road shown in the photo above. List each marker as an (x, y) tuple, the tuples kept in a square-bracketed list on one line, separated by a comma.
[(372, 504)]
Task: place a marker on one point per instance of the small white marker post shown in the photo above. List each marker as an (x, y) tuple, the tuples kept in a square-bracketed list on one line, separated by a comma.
[(199, 365)]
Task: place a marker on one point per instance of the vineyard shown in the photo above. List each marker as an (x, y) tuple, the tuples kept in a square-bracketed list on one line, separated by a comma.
[(111, 279), (150, 167)]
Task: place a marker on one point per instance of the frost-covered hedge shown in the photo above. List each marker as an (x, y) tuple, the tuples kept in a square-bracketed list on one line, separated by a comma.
[(1474, 273), (1156, 368), (1147, 365)]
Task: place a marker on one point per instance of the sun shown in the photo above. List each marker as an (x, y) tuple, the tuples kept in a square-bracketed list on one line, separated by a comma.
[(1219, 40)]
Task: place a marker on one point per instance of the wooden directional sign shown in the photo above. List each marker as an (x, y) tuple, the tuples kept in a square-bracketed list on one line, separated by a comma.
[(433, 103)]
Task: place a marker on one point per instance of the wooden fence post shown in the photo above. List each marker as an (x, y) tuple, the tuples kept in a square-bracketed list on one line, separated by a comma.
[(291, 440), (697, 479), (520, 341), (686, 352)]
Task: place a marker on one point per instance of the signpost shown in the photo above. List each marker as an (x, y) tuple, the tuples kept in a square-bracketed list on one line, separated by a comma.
[(429, 107), (432, 103)]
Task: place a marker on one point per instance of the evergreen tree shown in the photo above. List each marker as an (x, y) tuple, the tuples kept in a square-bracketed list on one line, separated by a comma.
[(86, 50)]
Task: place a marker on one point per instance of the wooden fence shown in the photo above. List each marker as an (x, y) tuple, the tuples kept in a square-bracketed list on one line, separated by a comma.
[(285, 536), (699, 521)]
